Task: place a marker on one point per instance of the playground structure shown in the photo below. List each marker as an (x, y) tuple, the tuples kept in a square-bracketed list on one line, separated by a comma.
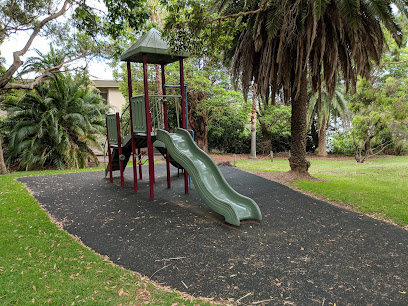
[(147, 127)]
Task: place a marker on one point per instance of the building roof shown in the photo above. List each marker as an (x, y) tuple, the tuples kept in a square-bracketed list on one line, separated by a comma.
[(105, 83), (155, 47)]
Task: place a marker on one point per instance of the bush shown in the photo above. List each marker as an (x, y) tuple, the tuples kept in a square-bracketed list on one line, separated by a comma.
[(227, 133), (342, 143), (54, 125)]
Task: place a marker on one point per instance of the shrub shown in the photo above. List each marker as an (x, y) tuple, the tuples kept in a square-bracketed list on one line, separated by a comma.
[(342, 143), (54, 125)]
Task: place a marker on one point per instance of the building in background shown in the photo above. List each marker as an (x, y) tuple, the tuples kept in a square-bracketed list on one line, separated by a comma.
[(110, 92)]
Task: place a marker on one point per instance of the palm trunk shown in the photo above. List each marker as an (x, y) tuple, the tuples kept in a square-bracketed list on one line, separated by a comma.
[(3, 168), (297, 159), (253, 124), (322, 139)]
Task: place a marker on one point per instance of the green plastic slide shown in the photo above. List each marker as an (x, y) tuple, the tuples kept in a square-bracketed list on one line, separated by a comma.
[(207, 178)]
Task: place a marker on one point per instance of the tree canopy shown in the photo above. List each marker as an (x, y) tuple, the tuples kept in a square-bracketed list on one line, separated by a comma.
[(283, 45), (81, 29)]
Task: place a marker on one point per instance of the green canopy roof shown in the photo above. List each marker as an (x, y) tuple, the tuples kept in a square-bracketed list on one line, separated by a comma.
[(155, 47)]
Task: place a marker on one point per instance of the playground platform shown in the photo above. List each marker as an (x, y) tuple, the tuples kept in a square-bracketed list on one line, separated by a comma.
[(303, 252)]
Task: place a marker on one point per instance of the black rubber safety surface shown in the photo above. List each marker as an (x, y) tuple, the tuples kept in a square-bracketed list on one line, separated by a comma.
[(304, 251)]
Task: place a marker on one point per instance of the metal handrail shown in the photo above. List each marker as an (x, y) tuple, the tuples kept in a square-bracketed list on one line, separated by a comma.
[(125, 130)]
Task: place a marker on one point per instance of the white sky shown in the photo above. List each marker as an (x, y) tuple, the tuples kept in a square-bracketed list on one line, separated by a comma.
[(97, 70)]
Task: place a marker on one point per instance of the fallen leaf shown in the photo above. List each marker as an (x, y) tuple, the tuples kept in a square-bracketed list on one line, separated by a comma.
[(120, 291), (35, 289)]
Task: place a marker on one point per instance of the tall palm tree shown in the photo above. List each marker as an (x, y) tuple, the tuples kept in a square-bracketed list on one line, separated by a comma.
[(55, 125), (286, 44), (324, 109)]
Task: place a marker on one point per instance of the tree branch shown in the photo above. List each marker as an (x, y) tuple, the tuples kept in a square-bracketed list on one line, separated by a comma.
[(261, 8), (395, 63), (42, 76), (385, 145), (17, 62)]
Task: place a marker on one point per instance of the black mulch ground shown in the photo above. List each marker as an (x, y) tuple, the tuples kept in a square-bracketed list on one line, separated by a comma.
[(304, 251)]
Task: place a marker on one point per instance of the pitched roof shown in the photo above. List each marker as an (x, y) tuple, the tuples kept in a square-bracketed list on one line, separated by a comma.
[(155, 47)]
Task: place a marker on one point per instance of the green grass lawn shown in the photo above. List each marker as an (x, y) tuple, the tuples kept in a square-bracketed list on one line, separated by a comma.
[(379, 186), (39, 263)]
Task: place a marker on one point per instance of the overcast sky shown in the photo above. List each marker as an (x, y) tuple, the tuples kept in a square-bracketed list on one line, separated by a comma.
[(101, 71)]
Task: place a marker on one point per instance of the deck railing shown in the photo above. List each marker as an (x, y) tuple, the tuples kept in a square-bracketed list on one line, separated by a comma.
[(156, 109)]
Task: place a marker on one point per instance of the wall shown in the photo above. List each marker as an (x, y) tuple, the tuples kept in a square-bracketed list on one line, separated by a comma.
[(115, 100)]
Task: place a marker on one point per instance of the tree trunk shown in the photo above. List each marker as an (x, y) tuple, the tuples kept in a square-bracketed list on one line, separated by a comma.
[(266, 137), (3, 168), (357, 155), (202, 135), (17, 62), (297, 159), (322, 139), (315, 134), (253, 124), (367, 146)]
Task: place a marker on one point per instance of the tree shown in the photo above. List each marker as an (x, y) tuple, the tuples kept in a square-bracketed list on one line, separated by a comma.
[(3, 168), (253, 124), (380, 116), (56, 19), (275, 123), (283, 43), (46, 18), (209, 91), (323, 110), (57, 124)]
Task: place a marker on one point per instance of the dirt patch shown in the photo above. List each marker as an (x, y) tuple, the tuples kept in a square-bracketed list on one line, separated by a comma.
[(230, 157), (287, 178)]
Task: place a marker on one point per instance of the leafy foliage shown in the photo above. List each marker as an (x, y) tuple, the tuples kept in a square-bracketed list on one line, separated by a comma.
[(279, 43), (381, 118), (324, 111), (343, 144), (78, 29), (213, 105), (275, 119), (55, 125), (190, 26), (227, 131)]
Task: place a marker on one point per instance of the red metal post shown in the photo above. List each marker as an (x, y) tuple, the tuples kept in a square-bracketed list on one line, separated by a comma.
[(109, 152), (130, 91), (166, 125), (140, 163), (122, 179), (148, 128), (183, 113)]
